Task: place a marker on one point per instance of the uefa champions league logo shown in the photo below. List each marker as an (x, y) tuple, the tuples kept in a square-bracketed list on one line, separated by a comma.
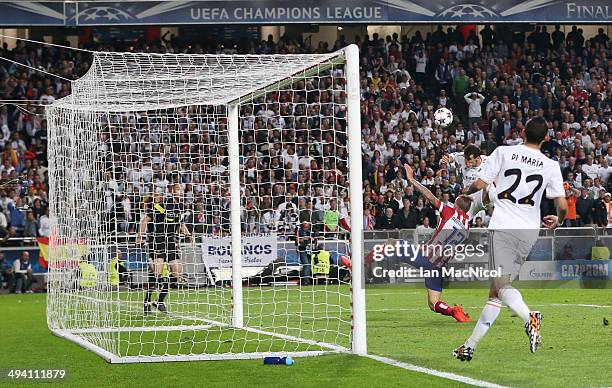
[(104, 14), (127, 11), (470, 10), (473, 10)]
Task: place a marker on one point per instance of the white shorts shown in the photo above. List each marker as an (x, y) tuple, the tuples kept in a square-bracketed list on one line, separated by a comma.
[(509, 250)]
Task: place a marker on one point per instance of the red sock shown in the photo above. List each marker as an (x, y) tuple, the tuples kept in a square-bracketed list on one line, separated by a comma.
[(442, 308)]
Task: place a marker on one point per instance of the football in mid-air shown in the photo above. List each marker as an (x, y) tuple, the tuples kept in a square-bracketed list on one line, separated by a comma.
[(443, 117)]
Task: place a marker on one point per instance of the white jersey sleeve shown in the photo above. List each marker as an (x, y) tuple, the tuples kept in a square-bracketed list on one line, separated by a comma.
[(489, 170), (478, 201), (555, 188), (492, 192), (477, 204)]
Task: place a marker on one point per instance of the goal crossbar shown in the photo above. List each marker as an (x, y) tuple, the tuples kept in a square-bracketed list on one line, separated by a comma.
[(313, 64)]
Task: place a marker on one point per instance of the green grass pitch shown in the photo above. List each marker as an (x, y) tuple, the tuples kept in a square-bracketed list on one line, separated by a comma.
[(576, 349)]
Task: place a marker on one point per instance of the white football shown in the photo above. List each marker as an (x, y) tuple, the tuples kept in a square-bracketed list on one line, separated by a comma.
[(443, 117)]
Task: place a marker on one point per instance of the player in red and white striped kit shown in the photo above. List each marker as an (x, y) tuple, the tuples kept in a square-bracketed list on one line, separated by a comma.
[(452, 230)]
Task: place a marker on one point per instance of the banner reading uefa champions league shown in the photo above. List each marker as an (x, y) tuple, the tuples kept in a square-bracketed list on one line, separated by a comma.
[(90, 13)]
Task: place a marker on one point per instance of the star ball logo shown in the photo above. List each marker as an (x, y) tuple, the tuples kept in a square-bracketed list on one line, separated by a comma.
[(478, 10), (474, 10), (104, 14)]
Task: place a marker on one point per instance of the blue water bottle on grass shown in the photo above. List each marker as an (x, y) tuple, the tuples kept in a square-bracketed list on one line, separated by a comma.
[(278, 361)]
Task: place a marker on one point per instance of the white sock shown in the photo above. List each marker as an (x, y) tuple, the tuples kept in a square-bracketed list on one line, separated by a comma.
[(488, 315), (514, 300)]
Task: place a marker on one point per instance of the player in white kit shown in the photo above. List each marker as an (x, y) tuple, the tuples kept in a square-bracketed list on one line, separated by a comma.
[(521, 173), (468, 163)]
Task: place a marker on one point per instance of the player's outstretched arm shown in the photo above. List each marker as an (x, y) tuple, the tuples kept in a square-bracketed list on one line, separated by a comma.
[(420, 188), (556, 192), (478, 185), (488, 195), (553, 221)]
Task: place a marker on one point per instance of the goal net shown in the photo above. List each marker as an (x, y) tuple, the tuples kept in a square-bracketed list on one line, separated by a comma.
[(201, 207)]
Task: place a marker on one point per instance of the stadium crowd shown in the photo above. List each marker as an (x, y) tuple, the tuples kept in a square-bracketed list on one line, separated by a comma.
[(493, 81)]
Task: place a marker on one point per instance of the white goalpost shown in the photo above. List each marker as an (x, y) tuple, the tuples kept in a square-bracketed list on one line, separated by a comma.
[(178, 184)]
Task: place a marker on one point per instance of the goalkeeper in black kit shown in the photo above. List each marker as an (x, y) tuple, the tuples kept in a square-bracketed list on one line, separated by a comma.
[(163, 222)]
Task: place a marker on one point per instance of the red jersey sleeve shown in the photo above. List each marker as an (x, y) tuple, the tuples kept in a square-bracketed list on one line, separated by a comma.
[(446, 211)]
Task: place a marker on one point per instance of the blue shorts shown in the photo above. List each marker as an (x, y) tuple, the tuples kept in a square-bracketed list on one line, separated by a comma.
[(435, 282)]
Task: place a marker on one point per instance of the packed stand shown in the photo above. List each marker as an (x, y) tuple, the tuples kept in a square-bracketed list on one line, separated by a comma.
[(493, 82)]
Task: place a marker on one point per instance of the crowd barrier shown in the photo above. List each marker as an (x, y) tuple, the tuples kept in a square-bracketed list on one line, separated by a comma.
[(553, 246), (557, 244), (559, 254)]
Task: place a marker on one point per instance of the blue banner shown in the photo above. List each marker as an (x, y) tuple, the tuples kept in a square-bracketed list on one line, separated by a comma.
[(95, 13), (584, 269), (32, 13), (339, 11)]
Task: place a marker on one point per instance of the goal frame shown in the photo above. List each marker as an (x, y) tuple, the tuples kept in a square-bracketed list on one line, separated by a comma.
[(358, 341)]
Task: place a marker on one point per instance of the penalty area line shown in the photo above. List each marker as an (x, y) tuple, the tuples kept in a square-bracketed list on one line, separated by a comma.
[(433, 372)]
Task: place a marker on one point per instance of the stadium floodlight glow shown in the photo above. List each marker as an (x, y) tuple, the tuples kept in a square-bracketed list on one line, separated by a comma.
[(229, 129)]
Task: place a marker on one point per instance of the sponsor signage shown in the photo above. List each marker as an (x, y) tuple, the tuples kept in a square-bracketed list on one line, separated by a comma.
[(539, 270), (566, 270), (91, 13), (257, 251), (584, 269)]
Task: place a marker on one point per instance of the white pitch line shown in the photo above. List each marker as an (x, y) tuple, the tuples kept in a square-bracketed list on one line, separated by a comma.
[(433, 372), (392, 293), (398, 309), (575, 305), (480, 307)]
